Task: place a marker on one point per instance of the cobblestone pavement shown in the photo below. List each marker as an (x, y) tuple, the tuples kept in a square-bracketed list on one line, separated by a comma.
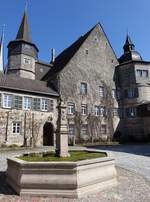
[(135, 158), (133, 184)]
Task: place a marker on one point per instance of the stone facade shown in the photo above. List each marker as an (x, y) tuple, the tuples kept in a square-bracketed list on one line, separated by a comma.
[(93, 64), (132, 82), (31, 123)]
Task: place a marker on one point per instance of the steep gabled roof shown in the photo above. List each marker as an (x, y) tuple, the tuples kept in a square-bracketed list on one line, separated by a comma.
[(24, 31), (24, 85), (63, 58)]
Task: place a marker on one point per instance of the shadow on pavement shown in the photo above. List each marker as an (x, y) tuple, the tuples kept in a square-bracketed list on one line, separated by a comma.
[(4, 187), (143, 149)]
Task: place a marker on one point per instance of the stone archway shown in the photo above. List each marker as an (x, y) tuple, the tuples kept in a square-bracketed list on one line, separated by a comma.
[(48, 134)]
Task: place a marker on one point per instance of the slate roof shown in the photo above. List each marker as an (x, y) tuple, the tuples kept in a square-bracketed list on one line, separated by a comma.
[(63, 58), (24, 31), (10, 82), (41, 69)]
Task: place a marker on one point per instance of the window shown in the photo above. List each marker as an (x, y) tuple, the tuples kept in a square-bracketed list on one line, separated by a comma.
[(97, 111), (113, 92), (18, 102), (0, 100), (131, 112), (103, 129), (44, 105), (7, 101), (101, 91), (36, 104), (83, 88), (16, 128), (100, 111), (131, 93), (84, 130), (27, 103), (27, 61), (71, 108), (71, 130), (142, 73), (84, 109)]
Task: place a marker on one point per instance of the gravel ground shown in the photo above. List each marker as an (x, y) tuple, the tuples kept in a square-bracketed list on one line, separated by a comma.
[(133, 167)]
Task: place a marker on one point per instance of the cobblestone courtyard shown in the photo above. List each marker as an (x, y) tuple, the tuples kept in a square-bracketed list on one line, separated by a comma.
[(133, 184)]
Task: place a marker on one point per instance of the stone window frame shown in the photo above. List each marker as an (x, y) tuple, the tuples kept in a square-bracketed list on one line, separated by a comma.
[(101, 111), (83, 88), (71, 108), (29, 98), (84, 109), (16, 127), (9, 102)]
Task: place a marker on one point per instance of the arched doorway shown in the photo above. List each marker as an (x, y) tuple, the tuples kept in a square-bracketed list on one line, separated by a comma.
[(48, 134)]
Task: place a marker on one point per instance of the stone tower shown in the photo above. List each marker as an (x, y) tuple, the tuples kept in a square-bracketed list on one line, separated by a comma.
[(22, 53), (132, 83)]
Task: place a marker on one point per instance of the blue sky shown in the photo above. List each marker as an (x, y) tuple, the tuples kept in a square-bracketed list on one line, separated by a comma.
[(58, 23)]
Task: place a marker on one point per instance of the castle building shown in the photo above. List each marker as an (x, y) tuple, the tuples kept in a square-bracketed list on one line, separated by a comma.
[(133, 86), (82, 76)]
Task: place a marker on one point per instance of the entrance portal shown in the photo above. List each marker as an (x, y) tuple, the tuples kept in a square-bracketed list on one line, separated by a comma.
[(48, 134)]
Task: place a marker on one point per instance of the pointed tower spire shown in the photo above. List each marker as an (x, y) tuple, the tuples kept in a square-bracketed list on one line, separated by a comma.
[(24, 31), (128, 46), (1, 51)]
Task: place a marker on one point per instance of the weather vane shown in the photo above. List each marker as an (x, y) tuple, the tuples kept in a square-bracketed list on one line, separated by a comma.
[(26, 5)]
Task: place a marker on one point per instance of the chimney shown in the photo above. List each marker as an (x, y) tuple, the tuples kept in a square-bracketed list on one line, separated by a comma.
[(53, 55)]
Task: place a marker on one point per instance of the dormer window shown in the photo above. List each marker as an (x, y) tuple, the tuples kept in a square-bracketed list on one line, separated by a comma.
[(27, 61)]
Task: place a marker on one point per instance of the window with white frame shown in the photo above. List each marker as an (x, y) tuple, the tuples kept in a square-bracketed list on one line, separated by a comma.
[(16, 127), (83, 88), (27, 103), (27, 61), (131, 112), (101, 91), (102, 111), (44, 104), (7, 100), (142, 73), (97, 110), (71, 129), (84, 109), (71, 108)]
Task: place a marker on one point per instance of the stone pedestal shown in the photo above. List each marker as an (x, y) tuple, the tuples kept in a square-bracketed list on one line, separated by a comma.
[(62, 131)]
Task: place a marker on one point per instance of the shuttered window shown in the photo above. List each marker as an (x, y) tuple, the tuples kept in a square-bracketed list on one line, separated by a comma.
[(36, 104), (18, 102)]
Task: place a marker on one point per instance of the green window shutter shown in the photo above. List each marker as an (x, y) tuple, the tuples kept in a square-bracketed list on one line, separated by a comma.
[(17, 102), (51, 105), (36, 104)]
